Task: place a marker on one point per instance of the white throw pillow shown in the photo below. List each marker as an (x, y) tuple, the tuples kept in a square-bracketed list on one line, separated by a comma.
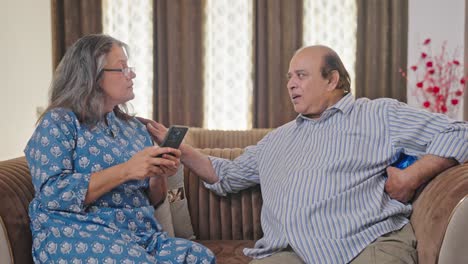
[(164, 217), (179, 208)]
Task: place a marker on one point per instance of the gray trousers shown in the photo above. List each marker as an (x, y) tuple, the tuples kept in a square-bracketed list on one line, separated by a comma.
[(398, 247)]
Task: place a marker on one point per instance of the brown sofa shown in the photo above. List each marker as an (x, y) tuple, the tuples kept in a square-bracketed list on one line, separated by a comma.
[(228, 224)]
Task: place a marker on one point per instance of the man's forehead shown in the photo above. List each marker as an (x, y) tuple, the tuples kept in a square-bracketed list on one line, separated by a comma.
[(305, 61), (310, 54)]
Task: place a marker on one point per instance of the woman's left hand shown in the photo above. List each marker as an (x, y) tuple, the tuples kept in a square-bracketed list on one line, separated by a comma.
[(170, 170), (158, 183)]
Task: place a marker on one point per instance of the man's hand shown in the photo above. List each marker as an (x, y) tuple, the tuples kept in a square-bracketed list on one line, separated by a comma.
[(156, 130), (402, 184), (399, 185)]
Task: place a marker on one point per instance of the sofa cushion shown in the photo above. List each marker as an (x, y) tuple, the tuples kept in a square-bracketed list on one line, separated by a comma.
[(178, 205), (229, 251), (164, 217)]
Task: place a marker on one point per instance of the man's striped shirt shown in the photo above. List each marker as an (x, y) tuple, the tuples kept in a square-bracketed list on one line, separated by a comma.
[(323, 180)]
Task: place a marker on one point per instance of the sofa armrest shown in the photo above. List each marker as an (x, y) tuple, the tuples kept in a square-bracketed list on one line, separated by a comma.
[(6, 254), (433, 207), (233, 217), (453, 249), (16, 192)]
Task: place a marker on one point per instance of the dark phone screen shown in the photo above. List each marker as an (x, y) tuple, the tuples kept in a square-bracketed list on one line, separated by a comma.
[(174, 137)]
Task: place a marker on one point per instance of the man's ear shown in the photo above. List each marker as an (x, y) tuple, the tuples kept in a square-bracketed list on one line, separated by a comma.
[(333, 79)]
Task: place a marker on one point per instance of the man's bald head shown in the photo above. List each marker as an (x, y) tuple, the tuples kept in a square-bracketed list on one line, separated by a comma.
[(330, 61)]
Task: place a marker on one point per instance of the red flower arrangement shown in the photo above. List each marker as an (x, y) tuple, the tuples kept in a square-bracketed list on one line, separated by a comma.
[(440, 81)]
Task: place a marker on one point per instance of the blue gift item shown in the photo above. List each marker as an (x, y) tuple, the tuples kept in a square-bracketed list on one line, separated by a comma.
[(404, 161)]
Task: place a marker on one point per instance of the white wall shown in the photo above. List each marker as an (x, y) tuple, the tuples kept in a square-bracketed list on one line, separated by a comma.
[(26, 74), (441, 21)]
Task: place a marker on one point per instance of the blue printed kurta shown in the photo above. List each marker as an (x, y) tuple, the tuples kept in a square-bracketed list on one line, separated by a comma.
[(119, 227)]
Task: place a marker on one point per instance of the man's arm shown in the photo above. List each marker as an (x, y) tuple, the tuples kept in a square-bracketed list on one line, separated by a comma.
[(194, 160), (198, 163), (439, 141), (402, 184)]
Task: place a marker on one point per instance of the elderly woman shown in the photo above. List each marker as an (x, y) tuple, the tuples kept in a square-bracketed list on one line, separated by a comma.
[(95, 170)]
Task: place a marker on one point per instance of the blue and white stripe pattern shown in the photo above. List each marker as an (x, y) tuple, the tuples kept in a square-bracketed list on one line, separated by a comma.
[(323, 180)]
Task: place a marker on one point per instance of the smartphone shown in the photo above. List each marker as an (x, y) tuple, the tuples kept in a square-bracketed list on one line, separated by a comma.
[(174, 137)]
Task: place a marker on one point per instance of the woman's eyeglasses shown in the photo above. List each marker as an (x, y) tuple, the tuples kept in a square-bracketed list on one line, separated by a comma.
[(127, 71)]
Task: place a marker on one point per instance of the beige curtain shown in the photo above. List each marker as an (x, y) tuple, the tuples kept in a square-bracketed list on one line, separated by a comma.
[(178, 85), (278, 34), (72, 19), (382, 40)]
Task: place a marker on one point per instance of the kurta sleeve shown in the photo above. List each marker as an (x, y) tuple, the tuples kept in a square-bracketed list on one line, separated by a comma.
[(50, 154), (418, 132)]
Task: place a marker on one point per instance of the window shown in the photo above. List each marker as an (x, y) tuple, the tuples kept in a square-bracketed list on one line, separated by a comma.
[(228, 64), (132, 23), (228, 50), (333, 23)]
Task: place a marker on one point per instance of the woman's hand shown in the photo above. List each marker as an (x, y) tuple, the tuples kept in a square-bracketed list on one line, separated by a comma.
[(157, 131), (167, 171), (146, 164)]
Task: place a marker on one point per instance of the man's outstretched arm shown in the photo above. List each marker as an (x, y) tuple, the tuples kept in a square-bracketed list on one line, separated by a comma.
[(193, 159)]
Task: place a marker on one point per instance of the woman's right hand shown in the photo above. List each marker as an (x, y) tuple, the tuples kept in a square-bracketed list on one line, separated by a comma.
[(145, 163)]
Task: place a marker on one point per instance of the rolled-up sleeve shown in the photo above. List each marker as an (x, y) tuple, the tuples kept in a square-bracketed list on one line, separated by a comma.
[(419, 132), (235, 175)]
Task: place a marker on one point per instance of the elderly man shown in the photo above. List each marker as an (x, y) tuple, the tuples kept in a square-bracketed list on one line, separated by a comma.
[(329, 192)]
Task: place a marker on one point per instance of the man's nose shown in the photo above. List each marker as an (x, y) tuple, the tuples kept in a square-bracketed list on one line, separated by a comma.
[(291, 84)]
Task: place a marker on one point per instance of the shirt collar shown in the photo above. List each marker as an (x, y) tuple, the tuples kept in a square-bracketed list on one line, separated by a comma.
[(344, 105), (110, 118)]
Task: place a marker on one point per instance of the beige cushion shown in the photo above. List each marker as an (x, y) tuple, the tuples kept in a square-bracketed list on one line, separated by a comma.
[(179, 207), (164, 217), (455, 243), (6, 255)]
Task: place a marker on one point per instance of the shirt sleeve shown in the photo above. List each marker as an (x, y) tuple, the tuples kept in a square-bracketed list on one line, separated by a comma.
[(240, 173), (418, 132), (50, 154)]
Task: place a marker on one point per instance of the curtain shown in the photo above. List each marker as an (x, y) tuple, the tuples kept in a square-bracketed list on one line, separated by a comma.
[(278, 34), (178, 80), (72, 19), (382, 40)]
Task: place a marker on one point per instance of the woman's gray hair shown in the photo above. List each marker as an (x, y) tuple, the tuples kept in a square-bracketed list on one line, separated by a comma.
[(75, 85)]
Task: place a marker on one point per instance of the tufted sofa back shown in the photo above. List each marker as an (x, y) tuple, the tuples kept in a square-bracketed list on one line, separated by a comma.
[(236, 216)]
